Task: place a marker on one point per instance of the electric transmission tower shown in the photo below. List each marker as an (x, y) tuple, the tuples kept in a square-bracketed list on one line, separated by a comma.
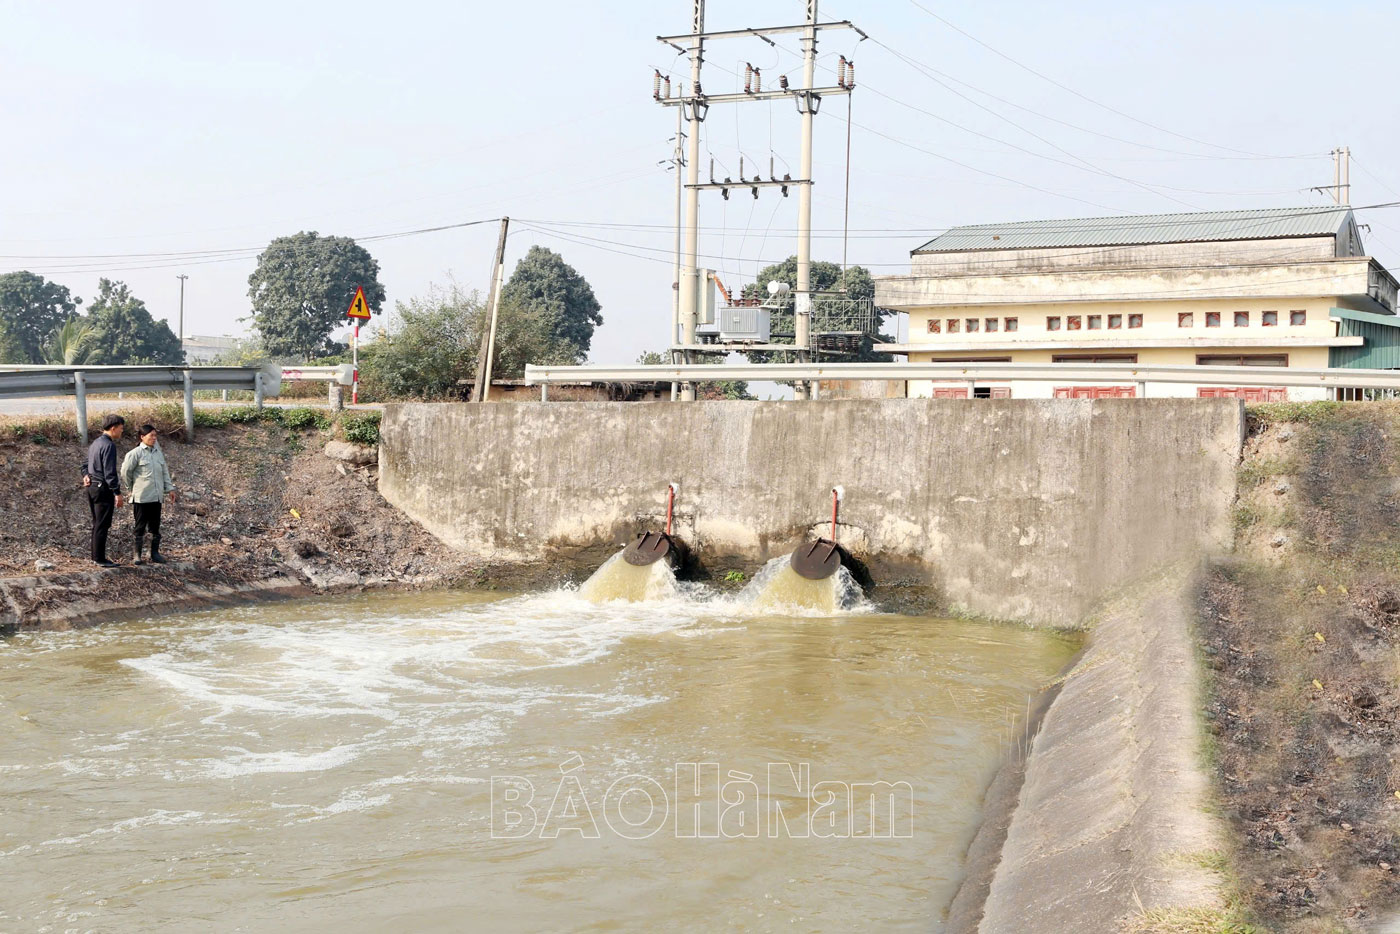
[(695, 106)]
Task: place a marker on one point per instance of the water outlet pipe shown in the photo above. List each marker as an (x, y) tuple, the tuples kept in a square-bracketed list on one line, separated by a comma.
[(818, 560), (651, 547)]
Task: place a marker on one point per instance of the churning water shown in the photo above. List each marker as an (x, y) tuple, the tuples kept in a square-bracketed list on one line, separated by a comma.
[(459, 761)]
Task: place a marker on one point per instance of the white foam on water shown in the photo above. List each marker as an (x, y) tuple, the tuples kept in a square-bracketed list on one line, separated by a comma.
[(251, 763)]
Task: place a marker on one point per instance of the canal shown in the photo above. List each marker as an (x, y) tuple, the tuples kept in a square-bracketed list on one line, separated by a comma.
[(471, 761)]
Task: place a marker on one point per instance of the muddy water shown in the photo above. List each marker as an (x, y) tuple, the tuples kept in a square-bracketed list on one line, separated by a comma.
[(329, 766)]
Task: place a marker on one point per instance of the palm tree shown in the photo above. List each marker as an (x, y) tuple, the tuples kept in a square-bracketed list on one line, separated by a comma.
[(69, 344)]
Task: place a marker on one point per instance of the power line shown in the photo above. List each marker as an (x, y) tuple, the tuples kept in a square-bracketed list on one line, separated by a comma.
[(1084, 97), (930, 71)]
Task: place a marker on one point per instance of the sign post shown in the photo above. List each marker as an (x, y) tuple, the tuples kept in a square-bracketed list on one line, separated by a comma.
[(359, 311)]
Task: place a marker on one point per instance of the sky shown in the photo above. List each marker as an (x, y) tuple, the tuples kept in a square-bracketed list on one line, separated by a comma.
[(153, 139)]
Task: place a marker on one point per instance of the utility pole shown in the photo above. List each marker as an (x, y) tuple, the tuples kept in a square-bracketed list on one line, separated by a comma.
[(677, 162), (694, 104), (481, 391), (1340, 189), (1345, 181), (695, 113), (807, 104), (182, 277)]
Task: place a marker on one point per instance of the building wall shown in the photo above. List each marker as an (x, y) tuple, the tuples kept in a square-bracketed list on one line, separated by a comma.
[(1129, 285), (1020, 510), (1287, 250), (1159, 322)]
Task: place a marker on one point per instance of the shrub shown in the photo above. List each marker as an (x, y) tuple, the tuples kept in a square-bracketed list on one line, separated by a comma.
[(360, 427), (301, 418)]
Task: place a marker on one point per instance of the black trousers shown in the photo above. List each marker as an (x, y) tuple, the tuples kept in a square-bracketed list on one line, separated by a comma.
[(148, 520), (101, 501)]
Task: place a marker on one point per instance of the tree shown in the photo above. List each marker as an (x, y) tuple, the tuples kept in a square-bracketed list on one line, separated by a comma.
[(303, 286), (31, 309), (544, 284), (123, 331), (709, 389), (430, 345), (70, 344), (826, 277)]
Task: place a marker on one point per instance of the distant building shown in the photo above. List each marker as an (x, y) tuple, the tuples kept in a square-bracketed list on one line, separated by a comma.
[(1290, 287), (201, 349)]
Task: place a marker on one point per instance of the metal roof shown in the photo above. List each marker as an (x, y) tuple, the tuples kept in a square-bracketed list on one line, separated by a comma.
[(1133, 229)]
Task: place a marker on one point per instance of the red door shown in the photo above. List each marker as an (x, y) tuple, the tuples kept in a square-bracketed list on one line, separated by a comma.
[(950, 393), (1095, 392), (1247, 393)]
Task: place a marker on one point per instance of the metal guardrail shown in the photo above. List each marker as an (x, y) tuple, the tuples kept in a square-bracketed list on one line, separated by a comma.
[(342, 374), (965, 372), (78, 381)]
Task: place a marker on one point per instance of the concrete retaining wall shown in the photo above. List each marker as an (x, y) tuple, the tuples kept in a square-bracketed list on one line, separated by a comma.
[(1028, 510)]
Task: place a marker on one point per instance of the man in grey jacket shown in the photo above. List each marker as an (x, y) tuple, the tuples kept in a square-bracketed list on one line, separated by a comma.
[(104, 490), (146, 475)]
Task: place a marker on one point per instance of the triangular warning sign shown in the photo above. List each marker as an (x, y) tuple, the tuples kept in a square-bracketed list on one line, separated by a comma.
[(359, 308)]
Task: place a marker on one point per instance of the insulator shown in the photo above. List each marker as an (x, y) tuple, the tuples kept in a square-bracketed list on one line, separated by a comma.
[(755, 193), (748, 78), (668, 87), (782, 82), (757, 80), (656, 84), (698, 92), (850, 75), (741, 168), (841, 72), (712, 170)]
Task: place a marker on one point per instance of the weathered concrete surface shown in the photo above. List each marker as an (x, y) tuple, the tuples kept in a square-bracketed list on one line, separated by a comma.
[(1111, 820), (1029, 510)]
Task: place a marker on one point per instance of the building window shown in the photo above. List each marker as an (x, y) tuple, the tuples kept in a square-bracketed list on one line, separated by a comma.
[(935, 326), (1134, 321), (1241, 319), (1185, 319), (972, 324), (1115, 322), (1052, 324), (1095, 322), (1012, 323), (1296, 318), (1094, 358), (1212, 319), (1249, 359), (953, 325), (990, 325), (1074, 323), (1269, 319)]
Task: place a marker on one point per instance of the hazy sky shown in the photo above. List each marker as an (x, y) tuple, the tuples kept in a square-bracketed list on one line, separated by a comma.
[(143, 129)]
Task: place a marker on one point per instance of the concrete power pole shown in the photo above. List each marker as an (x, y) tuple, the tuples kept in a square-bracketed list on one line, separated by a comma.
[(481, 390), (1345, 181), (182, 277), (678, 163), (807, 103), (695, 114)]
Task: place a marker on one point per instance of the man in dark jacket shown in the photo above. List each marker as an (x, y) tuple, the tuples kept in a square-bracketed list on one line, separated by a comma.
[(103, 487)]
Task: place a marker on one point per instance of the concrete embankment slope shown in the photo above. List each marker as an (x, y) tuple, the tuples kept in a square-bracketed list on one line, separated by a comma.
[(1031, 510), (1110, 828)]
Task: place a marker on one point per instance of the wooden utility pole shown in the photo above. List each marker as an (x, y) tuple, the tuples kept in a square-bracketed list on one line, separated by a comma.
[(481, 391)]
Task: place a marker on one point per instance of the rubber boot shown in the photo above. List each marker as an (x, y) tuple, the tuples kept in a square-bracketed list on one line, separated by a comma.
[(137, 557), (156, 556)]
